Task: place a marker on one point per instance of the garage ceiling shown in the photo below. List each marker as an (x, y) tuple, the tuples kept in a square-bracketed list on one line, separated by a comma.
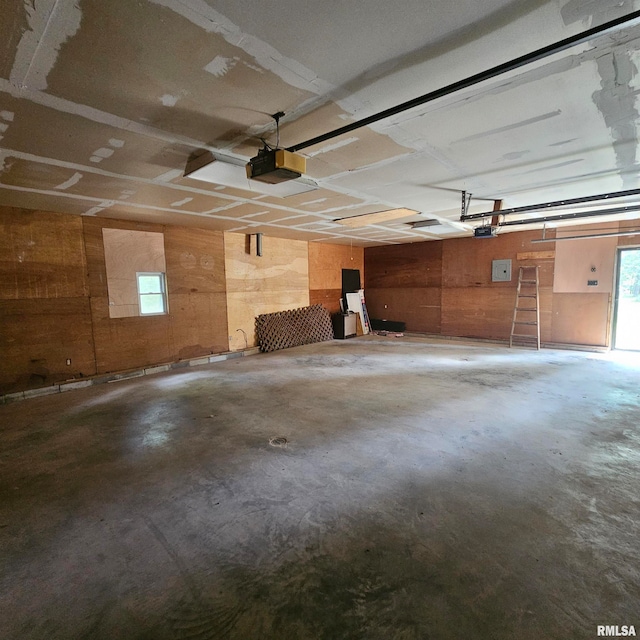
[(102, 104)]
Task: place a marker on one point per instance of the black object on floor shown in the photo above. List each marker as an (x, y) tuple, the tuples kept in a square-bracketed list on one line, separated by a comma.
[(388, 325)]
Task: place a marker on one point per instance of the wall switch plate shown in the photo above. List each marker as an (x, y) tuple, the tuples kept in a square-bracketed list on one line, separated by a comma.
[(501, 271)]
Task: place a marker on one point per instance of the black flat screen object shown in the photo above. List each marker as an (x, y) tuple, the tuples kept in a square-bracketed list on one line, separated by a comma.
[(388, 325), (350, 282)]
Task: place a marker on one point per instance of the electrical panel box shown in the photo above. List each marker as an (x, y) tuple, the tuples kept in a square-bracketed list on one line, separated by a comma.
[(501, 271)]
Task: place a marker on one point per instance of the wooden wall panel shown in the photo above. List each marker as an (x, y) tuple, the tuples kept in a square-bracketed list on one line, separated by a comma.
[(284, 265), (44, 305), (449, 287), (198, 324), (576, 259), (128, 343), (326, 262), (418, 307), (466, 262), (477, 312), (36, 338), (197, 294), (276, 281), (581, 318), (406, 265), (473, 305), (484, 312), (328, 298), (197, 320), (195, 260), (41, 255)]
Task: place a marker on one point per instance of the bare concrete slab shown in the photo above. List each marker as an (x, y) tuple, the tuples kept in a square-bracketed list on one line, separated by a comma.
[(425, 490)]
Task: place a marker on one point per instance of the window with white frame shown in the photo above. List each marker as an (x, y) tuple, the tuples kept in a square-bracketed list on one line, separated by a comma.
[(152, 295)]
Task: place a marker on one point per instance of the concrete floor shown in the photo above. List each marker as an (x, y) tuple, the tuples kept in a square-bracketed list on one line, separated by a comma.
[(429, 490)]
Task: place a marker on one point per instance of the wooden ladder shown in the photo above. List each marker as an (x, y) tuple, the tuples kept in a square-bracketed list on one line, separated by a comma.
[(528, 289)]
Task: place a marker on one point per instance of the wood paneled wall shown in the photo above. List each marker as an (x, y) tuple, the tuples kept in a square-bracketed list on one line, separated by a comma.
[(276, 281), (54, 300), (196, 322), (445, 287), (580, 261), (326, 262), (404, 282), (45, 317), (473, 305)]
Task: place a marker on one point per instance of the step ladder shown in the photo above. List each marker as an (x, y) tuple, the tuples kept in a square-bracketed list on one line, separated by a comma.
[(526, 311)]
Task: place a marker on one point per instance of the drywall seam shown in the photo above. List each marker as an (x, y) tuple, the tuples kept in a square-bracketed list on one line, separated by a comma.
[(292, 72), (168, 176), (52, 23), (105, 204), (182, 202), (332, 147), (74, 179)]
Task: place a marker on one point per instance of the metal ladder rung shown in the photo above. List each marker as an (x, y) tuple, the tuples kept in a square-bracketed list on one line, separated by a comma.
[(526, 308), (533, 324), (525, 335)]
